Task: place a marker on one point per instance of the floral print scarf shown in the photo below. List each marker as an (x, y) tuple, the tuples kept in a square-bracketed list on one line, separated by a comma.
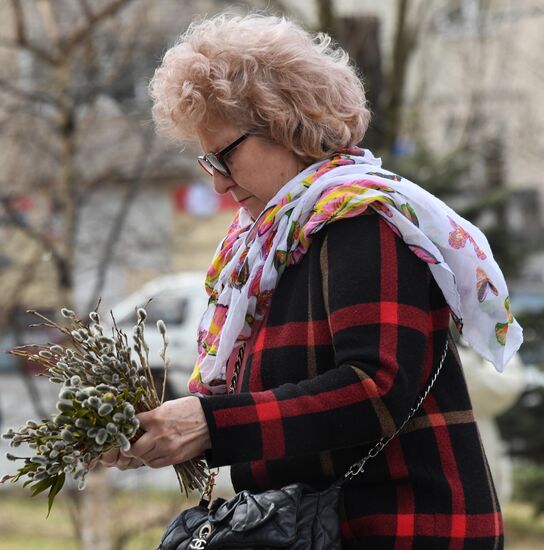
[(251, 258)]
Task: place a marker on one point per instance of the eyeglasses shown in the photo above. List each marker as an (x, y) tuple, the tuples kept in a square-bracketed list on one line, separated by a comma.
[(215, 161)]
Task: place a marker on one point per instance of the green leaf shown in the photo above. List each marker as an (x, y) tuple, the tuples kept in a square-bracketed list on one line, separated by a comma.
[(41, 486), (57, 486), (27, 482), (16, 477)]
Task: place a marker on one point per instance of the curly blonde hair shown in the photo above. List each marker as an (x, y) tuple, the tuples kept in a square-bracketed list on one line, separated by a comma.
[(265, 74)]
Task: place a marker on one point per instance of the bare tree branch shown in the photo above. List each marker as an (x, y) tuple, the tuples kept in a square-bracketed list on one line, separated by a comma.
[(23, 278), (123, 55), (8, 111), (64, 276), (67, 45), (49, 17), (81, 34), (21, 35), (33, 97), (41, 54), (27, 272), (117, 226), (36, 142), (19, 21), (86, 10)]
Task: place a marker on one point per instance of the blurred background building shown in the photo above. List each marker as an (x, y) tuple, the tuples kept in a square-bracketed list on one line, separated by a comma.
[(94, 205)]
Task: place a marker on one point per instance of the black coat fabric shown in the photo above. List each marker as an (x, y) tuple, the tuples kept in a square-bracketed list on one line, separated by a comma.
[(353, 334)]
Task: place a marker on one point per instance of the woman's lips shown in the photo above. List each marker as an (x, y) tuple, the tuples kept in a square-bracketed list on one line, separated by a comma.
[(241, 201)]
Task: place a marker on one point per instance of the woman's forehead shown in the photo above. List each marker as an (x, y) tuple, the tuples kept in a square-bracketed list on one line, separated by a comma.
[(218, 136)]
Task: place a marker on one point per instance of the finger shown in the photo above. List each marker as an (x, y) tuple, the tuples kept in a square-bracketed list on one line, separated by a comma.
[(132, 464), (145, 445), (160, 462), (126, 463), (123, 463), (92, 464), (135, 463), (109, 458)]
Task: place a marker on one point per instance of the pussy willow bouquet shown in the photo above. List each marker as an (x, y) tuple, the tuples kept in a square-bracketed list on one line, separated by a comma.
[(104, 382)]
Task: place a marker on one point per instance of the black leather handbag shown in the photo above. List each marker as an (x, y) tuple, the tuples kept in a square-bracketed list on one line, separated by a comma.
[(296, 517)]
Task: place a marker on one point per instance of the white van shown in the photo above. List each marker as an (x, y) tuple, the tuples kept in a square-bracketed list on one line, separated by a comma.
[(179, 300)]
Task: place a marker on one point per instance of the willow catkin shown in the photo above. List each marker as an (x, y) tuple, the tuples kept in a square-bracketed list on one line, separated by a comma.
[(104, 383)]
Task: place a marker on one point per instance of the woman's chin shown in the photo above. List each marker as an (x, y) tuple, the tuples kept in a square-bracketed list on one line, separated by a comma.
[(253, 207)]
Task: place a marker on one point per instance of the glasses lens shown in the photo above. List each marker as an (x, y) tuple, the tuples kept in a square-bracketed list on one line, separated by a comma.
[(205, 165), (218, 165)]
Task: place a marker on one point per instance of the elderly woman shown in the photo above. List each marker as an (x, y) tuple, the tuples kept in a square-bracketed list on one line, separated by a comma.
[(330, 298)]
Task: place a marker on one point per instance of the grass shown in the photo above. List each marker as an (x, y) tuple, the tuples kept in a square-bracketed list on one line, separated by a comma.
[(23, 525), (146, 513), (522, 530)]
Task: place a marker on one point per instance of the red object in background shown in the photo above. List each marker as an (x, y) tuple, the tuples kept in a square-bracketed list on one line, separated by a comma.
[(228, 203), (27, 330), (22, 203), (221, 202), (31, 366)]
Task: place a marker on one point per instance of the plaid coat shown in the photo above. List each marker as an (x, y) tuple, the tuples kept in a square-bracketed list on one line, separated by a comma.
[(352, 336)]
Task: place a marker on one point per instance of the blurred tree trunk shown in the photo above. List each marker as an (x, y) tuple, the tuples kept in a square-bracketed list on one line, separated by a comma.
[(508, 253), (360, 36), (403, 45), (96, 520), (326, 16), (385, 80)]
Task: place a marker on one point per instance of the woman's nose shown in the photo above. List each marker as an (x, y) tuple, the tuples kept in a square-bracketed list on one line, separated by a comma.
[(221, 183)]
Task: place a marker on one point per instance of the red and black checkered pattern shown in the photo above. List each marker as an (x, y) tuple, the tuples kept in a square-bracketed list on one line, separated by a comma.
[(352, 336)]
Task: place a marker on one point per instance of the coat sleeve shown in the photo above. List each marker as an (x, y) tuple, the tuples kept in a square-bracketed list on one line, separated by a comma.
[(377, 297)]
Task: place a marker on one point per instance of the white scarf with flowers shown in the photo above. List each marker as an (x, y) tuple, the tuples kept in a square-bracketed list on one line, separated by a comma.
[(251, 258)]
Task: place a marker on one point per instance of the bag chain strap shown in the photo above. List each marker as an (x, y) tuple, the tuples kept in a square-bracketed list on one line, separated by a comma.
[(237, 366), (359, 467)]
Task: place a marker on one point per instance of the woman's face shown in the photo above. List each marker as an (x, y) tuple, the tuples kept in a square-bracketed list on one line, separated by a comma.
[(258, 167)]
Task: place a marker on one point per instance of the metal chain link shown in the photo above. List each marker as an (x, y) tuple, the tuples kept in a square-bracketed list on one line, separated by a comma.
[(237, 366), (359, 467)]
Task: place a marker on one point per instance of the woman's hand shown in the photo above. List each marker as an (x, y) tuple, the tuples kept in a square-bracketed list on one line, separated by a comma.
[(174, 432), (116, 457)]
